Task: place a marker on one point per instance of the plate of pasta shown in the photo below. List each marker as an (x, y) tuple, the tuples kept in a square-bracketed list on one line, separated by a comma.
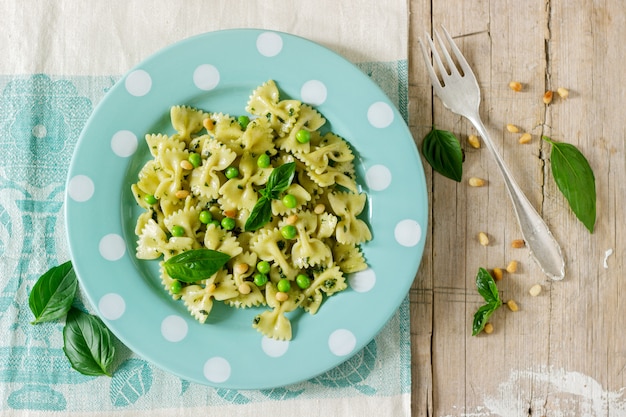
[(258, 217)]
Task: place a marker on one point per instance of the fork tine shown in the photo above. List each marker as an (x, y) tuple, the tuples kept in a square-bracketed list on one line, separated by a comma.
[(431, 72), (437, 58), (467, 70), (444, 50)]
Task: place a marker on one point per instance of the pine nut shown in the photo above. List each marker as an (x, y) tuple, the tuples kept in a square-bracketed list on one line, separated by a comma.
[(244, 288), (525, 138), (181, 194), (319, 209), (473, 141), (230, 213), (483, 238), (511, 268), (497, 274), (547, 97), (512, 128), (512, 305), (535, 290), (282, 296), (488, 328), (515, 86), (292, 219), (476, 182), (241, 268), (185, 164), (562, 92), (208, 124), (518, 243)]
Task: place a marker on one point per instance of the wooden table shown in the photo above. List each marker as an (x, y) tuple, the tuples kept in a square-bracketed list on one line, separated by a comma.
[(564, 352)]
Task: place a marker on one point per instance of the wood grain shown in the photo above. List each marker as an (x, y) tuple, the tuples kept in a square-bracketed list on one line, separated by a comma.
[(537, 360)]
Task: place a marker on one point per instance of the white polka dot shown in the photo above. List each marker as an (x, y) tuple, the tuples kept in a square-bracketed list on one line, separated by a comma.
[(269, 44), (362, 281), (274, 348), (217, 369), (174, 328), (112, 247), (138, 83), (380, 114), (206, 77), (80, 188), (378, 177), (341, 342), (313, 92), (408, 233), (124, 143), (39, 131), (112, 306)]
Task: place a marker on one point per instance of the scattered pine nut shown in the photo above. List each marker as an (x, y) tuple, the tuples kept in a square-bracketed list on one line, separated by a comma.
[(515, 86), (547, 97), (244, 288), (241, 268), (488, 328), (535, 290), (525, 138), (282, 296), (180, 194), (562, 92), (292, 219), (512, 305), (483, 238), (518, 243), (511, 268), (319, 209), (473, 141), (232, 213), (497, 274), (512, 128), (476, 182), (208, 124), (185, 164)]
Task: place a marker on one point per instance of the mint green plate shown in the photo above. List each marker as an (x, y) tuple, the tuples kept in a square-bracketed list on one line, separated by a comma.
[(217, 72)]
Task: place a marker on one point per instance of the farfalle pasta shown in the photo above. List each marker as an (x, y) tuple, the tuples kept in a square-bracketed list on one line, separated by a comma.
[(204, 182)]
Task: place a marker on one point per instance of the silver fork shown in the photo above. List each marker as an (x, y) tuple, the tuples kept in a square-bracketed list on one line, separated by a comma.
[(460, 93)]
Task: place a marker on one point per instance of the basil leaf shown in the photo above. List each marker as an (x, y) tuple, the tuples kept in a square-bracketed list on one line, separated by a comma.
[(261, 214), (53, 293), (195, 265), (87, 343), (280, 178), (443, 152), (574, 178), (481, 317), (487, 286)]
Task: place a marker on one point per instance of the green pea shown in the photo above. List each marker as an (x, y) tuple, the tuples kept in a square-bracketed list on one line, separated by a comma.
[(303, 281), (150, 199), (263, 267), (260, 279), (290, 201), (263, 161), (178, 231), (231, 172), (228, 223), (215, 223), (195, 159), (243, 121), (289, 232), (205, 216), (284, 285), (176, 287), (303, 136)]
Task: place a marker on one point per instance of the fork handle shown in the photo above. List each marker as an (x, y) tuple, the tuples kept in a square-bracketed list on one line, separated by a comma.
[(543, 247)]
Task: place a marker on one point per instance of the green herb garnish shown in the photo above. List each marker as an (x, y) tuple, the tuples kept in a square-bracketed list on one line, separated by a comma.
[(53, 293), (195, 265), (87, 343), (443, 152), (277, 182), (575, 179), (487, 288)]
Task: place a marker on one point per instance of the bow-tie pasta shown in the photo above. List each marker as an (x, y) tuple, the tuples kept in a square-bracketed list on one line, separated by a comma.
[(209, 177)]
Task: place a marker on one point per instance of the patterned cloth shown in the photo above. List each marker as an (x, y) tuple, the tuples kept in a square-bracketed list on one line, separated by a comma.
[(41, 117)]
